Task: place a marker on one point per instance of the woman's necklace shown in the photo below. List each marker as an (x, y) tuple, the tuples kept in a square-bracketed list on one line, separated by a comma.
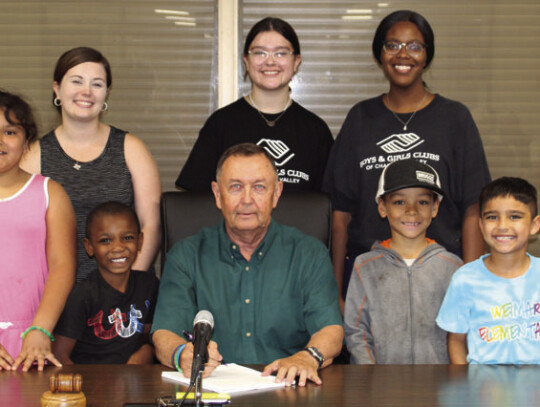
[(412, 115), (77, 165), (270, 123)]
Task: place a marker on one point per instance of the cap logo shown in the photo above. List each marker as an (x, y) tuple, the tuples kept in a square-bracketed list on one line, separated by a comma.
[(425, 177)]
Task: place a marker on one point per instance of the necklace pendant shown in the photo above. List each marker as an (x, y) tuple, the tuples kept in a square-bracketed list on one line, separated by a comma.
[(77, 166), (405, 128), (269, 123)]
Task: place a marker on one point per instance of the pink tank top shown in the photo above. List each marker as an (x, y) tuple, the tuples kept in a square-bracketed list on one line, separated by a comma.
[(23, 260)]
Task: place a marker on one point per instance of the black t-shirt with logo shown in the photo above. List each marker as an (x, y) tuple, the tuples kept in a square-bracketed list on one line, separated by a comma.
[(300, 143), (106, 323), (443, 135)]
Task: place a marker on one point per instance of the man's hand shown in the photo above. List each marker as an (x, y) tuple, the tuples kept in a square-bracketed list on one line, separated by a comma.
[(36, 347), (301, 364), (5, 359), (214, 359)]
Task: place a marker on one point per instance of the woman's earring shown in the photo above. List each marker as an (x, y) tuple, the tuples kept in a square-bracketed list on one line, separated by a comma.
[(57, 102), (105, 107)]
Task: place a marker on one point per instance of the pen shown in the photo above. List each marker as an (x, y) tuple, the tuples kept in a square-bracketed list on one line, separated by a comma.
[(189, 337)]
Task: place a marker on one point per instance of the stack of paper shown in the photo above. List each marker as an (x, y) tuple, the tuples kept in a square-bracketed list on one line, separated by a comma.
[(230, 378)]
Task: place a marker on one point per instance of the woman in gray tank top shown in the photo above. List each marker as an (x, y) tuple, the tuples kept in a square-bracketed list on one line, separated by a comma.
[(93, 161)]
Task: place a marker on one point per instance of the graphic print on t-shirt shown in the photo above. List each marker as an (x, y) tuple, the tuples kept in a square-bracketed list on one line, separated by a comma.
[(281, 153), (399, 143), (278, 150), (117, 318), (512, 321), (397, 147)]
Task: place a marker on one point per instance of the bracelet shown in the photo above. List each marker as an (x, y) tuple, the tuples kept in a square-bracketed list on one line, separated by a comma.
[(173, 353), (33, 327), (176, 356), (316, 353)]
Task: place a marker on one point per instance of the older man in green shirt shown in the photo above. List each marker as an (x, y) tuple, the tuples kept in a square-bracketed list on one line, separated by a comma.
[(270, 288)]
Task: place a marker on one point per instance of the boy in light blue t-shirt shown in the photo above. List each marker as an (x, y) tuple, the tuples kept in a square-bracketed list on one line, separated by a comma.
[(492, 307)]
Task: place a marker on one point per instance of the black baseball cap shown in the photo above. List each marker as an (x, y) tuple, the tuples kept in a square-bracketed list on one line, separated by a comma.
[(408, 174)]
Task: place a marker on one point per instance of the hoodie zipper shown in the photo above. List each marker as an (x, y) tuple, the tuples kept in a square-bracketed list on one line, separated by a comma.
[(411, 311)]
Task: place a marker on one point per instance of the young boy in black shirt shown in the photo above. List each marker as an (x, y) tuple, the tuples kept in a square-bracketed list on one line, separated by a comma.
[(108, 316)]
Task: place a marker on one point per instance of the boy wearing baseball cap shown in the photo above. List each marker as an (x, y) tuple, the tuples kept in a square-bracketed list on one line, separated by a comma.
[(397, 288)]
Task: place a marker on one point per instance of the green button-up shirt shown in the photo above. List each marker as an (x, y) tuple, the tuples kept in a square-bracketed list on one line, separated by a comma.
[(264, 309)]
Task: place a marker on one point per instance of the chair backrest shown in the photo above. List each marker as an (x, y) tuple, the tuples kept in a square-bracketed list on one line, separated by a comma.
[(184, 213)]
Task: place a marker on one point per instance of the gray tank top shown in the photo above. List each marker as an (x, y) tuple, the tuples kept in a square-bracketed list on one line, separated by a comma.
[(107, 178)]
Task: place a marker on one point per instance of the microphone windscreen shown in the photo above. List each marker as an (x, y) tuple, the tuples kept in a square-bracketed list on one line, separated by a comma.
[(204, 316)]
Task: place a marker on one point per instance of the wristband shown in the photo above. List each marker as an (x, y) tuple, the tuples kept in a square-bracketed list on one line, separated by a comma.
[(316, 353), (173, 353), (176, 356), (33, 327)]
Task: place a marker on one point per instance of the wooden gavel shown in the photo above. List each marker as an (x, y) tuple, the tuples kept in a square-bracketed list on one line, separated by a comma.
[(64, 391)]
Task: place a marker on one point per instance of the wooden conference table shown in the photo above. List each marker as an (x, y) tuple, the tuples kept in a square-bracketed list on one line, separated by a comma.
[(343, 385)]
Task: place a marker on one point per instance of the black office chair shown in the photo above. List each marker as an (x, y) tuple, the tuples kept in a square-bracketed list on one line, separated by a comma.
[(184, 213)]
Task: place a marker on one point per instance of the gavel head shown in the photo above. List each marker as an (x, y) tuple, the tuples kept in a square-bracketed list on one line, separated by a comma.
[(65, 383)]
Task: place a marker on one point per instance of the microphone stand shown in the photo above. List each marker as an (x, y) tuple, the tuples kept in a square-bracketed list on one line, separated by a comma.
[(198, 389)]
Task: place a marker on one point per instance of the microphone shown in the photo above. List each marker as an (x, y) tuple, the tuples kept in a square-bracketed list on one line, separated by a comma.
[(203, 327)]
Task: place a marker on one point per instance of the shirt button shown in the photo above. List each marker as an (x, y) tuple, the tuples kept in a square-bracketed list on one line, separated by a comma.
[(248, 334), (234, 246), (260, 253), (247, 268), (247, 300)]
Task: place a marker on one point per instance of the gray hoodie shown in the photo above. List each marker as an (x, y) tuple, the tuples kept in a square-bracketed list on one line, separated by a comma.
[(391, 308)]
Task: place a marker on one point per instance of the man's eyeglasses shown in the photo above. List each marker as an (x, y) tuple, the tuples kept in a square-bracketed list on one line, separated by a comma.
[(260, 55), (414, 48)]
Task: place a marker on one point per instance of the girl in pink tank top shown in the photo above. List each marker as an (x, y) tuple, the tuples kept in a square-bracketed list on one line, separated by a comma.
[(37, 246)]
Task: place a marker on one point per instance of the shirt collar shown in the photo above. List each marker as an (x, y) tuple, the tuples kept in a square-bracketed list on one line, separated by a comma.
[(229, 251)]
